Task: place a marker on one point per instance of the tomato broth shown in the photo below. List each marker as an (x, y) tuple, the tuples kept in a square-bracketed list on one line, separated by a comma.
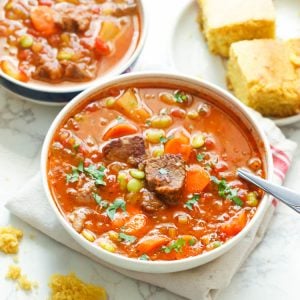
[(150, 172)]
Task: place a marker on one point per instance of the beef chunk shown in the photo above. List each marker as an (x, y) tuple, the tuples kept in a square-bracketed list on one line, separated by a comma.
[(165, 176), (83, 192), (121, 10), (79, 216), (150, 203), (77, 71), (72, 18), (49, 71), (128, 149)]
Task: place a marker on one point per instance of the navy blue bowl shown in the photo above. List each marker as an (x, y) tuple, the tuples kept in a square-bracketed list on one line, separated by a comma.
[(37, 96)]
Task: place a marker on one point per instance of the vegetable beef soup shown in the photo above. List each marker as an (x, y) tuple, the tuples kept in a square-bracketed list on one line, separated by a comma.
[(150, 173), (66, 40)]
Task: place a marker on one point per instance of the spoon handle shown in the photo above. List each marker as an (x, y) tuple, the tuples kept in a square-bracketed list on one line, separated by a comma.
[(290, 198)]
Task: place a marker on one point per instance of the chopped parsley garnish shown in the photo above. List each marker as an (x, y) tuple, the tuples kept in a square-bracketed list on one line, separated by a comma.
[(74, 176), (80, 167), (163, 171), (180, 97), (95, 173), (144, 257), (215, 244), (191, 202), (226, 192), (192, 242), (76, 147), (127, 238), (100, 201), (148, 122), (207, 167), (120, 119), (113, 207), (175, 245), (163, 139), (200, 156)]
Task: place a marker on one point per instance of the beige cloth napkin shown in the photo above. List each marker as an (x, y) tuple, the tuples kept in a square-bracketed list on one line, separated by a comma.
[(202, 283)]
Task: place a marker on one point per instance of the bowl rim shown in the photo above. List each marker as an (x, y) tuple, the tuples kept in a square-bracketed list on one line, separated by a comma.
[(156, 266), (118, 69)]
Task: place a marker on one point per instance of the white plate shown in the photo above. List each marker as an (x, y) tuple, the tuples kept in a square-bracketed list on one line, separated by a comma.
[(190, 55)]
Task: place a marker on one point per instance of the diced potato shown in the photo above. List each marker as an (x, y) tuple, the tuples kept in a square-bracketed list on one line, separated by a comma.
[(128, 105), (12, 71), (109, 31), (141, 114)]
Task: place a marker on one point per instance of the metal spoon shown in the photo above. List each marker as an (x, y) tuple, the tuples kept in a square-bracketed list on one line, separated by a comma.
[(287, 196)]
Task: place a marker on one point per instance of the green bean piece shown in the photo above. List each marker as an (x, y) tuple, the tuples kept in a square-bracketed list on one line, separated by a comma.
[(122, 180), (192, 114), (198, 141), (163, 121), (107, 246), (26, 41), (65, 55), (154, 135), (158, 151), (134, 185), (137, 174)]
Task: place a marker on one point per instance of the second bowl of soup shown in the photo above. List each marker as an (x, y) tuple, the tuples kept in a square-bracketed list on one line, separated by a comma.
[(59, 47)]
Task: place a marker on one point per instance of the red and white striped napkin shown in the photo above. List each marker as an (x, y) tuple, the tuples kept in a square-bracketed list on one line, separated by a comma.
[(204, 282)]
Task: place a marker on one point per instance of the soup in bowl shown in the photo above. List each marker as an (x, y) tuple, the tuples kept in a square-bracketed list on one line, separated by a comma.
[(62, 46), (141, 170)]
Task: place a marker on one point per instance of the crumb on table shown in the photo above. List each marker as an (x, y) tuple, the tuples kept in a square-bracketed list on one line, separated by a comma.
[(9, 239), (65, 287), (15, 273)]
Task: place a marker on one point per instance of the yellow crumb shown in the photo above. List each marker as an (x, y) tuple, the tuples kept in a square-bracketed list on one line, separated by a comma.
[(25, 284), (14, 273), (69, 287), (9, 239)]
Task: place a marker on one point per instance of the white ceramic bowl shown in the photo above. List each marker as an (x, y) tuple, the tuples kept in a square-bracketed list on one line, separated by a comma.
[(219, 96), (60, 94)]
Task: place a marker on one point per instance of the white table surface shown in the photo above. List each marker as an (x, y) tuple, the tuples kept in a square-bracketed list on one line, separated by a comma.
[(271, 272)]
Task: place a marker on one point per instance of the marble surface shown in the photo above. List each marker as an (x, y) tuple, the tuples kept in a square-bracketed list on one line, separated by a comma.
[(271, 272)]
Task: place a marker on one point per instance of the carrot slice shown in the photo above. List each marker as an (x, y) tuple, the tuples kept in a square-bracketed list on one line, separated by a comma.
[(180, 144), (12, 71), (150, 243), (196, 179), (235, 224), (42, 18), (119, 130), (182, 137), (136, 225)]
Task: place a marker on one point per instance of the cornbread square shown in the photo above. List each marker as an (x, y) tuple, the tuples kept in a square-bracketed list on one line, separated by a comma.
[(262, 75), (226, 21)]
